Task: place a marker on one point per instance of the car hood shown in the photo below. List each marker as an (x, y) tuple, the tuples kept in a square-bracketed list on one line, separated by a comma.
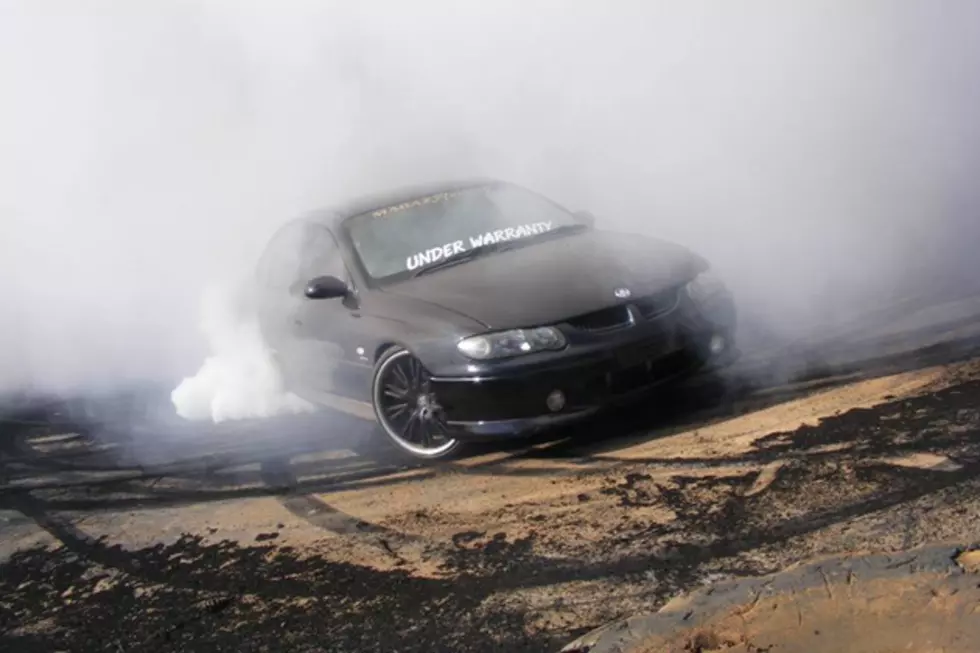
[(549, 281)]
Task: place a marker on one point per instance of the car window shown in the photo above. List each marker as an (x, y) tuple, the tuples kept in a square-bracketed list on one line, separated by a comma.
[(280, 263), (409, 236), (298, 252), (320, 255)]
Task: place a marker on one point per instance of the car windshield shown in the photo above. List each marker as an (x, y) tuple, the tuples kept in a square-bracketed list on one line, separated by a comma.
[(410, 237)]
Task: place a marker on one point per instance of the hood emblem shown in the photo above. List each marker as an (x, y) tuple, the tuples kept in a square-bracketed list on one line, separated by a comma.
[(622, 293)]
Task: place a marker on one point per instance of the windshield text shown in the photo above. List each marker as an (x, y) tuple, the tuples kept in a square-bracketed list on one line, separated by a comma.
[(448, 250)]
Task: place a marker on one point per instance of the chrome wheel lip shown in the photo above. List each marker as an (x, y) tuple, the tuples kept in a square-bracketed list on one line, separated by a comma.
[(379, 393)]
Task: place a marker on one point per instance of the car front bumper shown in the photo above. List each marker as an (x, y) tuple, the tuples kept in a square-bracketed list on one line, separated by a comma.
[(515, 404)]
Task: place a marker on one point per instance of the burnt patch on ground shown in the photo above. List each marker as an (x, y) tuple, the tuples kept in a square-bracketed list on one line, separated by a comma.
[(847, 466), (896, 475), (485, 555), (224, 597), (945, 421)]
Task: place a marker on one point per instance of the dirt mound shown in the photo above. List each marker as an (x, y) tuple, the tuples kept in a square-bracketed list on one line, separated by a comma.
[(922, 601)]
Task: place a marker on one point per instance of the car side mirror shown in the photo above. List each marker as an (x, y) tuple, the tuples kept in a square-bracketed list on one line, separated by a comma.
[(586, 217), (326, 287)]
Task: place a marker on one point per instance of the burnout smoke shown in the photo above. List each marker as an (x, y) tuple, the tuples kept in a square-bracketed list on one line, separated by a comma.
[(822, 155), (239, 379)]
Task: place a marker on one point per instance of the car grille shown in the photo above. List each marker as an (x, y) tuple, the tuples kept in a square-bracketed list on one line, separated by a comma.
[(644, 373), (616, 317), (608, 318), (659, 303), (658, 370)]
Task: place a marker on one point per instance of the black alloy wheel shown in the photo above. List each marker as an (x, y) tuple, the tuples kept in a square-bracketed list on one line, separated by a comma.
[(406, 408)]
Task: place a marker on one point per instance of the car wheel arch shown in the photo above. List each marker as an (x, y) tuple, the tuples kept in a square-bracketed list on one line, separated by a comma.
[(382, 351), (384, 348), (385, 354)]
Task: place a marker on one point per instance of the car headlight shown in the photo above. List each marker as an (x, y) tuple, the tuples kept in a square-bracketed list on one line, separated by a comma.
[(515, 342), (704, 286)]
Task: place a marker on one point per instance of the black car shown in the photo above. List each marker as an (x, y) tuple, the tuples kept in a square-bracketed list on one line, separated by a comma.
[(479, 309)]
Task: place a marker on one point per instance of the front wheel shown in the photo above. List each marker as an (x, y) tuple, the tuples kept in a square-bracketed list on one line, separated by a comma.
[(406, 408)]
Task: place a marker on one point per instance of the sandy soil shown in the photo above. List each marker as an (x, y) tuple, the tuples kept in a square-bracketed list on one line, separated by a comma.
[(507, 550), (921, 600)]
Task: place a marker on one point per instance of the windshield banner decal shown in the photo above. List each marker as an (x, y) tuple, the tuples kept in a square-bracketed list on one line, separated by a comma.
[(451, 249), (431, 199)]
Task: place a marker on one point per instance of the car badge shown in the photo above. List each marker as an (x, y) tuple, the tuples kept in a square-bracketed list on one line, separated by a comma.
[(622, 293)]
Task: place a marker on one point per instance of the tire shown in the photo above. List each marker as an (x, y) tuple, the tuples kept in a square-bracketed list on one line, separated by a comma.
[(405, 410), (921, 600)]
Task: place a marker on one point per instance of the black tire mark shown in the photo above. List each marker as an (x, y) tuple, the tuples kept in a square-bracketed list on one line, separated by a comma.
[(323, 516), (394, 544)]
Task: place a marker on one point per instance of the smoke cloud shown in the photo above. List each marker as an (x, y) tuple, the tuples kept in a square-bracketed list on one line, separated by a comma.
[(822, 155), (239, 379)]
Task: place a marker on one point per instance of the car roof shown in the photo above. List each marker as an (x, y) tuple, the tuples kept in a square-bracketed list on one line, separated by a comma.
[(332, 216)]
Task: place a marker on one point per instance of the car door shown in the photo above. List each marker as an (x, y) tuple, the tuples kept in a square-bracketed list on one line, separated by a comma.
[(326, 330), (278, 301)]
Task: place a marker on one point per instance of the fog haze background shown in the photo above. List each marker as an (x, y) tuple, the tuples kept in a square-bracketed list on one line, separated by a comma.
[(822, 154)]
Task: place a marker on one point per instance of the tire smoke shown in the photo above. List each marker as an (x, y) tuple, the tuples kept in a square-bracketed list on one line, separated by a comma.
[(239, 378), (821, 155)]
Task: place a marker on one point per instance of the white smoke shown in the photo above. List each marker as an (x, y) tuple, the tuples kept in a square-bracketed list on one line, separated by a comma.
[(239, 379), (821, 154)]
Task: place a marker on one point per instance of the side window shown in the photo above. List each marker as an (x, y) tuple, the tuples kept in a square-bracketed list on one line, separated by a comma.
[(279, 265), (321, 255)]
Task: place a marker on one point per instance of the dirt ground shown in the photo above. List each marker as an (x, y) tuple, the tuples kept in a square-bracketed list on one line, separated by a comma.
[(253, 543), (922, 599)]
